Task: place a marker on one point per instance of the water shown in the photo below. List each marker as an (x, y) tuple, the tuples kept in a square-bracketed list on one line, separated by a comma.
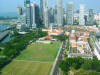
[(8, 38), (3, 27)]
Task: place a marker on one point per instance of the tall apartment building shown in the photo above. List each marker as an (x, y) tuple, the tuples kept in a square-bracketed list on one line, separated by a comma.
[(91, 17), (28, 13), (45, 13), (81, 15), (34, 15), (41, 9), (70, 13), (59, 13)]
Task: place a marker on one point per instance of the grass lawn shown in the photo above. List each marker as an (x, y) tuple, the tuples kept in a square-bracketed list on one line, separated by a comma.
[(36, 59), (26, 68), (40, 52)]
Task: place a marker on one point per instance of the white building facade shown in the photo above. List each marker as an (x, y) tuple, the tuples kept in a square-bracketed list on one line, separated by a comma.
[(59, 13), (33, 15), (70, 13), (45, 13), (81, 15)]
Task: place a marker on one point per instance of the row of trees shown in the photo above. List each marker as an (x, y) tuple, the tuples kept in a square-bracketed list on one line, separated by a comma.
[(90, 44), (15, 46), (77, 63), (61, 37)]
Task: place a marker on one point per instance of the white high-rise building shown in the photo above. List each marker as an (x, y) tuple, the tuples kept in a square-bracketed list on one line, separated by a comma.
[(33, 15), (45, 13), (70, 13), (59, 13), (81, 15)]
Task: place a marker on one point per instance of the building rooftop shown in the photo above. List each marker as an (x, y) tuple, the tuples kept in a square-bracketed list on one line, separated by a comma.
[(48, 37)]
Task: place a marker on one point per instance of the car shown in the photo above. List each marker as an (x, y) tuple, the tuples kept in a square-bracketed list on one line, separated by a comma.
[(63, 48)]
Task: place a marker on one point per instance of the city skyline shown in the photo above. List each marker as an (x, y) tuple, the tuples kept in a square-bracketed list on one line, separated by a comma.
[(8, 7), (49, 37)]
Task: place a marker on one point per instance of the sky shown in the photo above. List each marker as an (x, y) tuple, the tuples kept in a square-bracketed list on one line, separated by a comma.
[(7, 6)]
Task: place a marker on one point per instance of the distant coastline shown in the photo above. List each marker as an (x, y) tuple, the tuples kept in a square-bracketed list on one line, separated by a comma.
[(9, 14)]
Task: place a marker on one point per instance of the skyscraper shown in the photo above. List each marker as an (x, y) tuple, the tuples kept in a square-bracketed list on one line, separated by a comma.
[(55, 14), (45, 13), (86, 19), (59, 13), (81, 15), (51, 15), (70, 13), (20, 11), (34, 15), (91, 17), (37, 15), (26, 2), (28, 13), (21, 16), (41, 8)]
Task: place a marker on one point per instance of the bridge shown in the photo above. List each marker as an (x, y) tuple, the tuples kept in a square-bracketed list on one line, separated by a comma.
[(4, 34)]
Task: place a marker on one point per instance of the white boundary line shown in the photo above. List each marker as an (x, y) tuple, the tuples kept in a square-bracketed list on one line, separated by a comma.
[(31, 61)]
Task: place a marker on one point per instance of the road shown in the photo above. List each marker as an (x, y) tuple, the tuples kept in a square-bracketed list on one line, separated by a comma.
[(62, 51), (61, 57), (4, 34)]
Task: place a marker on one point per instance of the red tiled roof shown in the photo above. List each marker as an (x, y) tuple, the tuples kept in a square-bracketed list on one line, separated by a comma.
[(48, 37), (85, 40), (77, 35), (72, 38), (86, 35)]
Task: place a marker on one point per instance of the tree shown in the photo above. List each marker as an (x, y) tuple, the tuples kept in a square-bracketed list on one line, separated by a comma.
[(16, 45), (64, 66), (87, 65), (62, 37), (80, 63)]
